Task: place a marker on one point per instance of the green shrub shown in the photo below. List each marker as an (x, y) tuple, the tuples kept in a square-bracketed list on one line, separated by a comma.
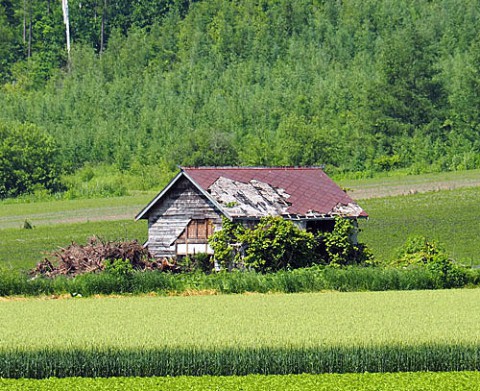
[(119, 267), (198, 262), (446, 273), (274, 244), (277, 244), (223, 244), (340, 248), (420, 252)]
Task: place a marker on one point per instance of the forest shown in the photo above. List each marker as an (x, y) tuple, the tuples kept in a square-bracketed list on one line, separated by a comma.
[(357, 86)]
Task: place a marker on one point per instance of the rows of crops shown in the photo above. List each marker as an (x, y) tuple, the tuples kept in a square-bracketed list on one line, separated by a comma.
[(237, 361), (451, 217), (238, 335), (457, 381)]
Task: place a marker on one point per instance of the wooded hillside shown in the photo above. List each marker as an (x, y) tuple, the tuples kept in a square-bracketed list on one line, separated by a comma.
[(357, 85)]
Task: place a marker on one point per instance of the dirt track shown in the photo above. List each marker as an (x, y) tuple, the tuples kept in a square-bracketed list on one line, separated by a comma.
[(389, 187), (78, 216)]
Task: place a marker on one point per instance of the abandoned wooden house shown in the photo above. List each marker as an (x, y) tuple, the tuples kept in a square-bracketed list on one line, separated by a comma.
[(189, 209)]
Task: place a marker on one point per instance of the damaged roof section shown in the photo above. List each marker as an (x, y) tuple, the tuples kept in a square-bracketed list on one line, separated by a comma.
[(292, 192), (350, 209), (253, 199)]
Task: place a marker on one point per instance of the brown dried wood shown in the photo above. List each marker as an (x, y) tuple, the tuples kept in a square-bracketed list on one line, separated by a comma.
[(90, 258)]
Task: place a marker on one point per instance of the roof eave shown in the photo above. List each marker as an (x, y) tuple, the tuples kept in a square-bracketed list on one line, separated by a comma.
[(363, 215), (304, 217)]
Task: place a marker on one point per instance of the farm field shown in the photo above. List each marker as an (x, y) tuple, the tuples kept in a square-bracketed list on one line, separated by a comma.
[(276, 320), (241, 334), (421, 381), (13, 213), (449, 216)]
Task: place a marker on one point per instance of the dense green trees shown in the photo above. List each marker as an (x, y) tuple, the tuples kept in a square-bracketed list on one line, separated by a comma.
[(27, 160), (357, 85)]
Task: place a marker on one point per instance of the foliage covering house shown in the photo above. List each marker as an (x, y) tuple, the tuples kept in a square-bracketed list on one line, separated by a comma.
[(190, 208)]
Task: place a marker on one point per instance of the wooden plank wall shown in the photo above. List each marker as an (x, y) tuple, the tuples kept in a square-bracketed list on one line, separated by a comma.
[(170, 217)]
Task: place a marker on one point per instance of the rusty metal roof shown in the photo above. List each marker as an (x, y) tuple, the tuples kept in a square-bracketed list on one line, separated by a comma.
[(296, 191)]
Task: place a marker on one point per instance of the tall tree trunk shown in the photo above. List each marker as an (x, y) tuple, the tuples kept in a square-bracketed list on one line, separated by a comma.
[(66, 20), (24, 22), (29, 50), (102, 28)]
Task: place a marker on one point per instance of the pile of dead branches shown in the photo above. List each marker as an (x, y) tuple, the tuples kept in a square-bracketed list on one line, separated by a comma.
[(90, 258)]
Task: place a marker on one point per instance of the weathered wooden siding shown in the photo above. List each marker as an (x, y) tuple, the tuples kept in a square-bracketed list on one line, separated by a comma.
[(170, 217)]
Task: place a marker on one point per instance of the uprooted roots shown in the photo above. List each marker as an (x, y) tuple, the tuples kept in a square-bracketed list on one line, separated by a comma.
[(78, 259)]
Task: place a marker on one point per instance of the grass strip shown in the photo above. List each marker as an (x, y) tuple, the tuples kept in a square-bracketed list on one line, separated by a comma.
[(314, 279), (38, 364)]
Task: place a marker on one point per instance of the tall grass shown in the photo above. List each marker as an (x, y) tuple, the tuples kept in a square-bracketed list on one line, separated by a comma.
[(315, 279)]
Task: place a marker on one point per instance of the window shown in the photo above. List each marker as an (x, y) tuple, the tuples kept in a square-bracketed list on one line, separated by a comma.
[(197, 231)]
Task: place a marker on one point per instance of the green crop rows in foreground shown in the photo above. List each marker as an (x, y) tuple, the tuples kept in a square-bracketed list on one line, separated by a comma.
[(246, 321), (220, 335), (329, 382)]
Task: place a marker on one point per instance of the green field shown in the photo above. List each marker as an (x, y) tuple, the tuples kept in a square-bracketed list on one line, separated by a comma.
[(449, 216), (13, 213), (220, 335), (58, 223), (421, 381), (276, 320)]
